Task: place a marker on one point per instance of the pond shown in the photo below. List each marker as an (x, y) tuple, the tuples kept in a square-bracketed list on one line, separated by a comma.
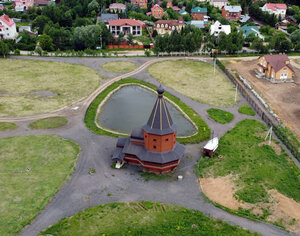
[(131, 106)]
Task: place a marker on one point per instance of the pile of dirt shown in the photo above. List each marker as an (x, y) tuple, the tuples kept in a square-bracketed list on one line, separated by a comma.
[(284, 210)]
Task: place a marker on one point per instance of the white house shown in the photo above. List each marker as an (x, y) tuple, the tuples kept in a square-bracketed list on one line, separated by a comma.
[(217, 28), (126, 26), (275, 8), (219, 3), (7, 28)]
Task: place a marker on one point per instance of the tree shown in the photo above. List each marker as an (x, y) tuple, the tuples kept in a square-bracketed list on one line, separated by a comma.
[(46, 42), (93, 6), (62, 38), (280, 43), (4, 50), (130, 39), (40, 22), (250, 38), (295, 36)]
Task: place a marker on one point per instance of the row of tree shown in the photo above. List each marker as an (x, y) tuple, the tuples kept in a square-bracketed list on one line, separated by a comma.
[(189, 39)]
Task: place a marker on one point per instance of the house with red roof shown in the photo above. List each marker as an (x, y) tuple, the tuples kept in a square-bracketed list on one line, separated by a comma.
[(157, 11), (24, 3), (140, 3), (127, 26), (276, 68), (275, 8), (7, 28)]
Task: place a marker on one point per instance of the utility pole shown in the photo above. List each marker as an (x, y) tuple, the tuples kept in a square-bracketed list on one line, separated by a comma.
[(269, 134)]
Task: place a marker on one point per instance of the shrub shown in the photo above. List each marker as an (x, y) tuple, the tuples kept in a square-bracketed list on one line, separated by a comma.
[(245, 109), (220, 116)]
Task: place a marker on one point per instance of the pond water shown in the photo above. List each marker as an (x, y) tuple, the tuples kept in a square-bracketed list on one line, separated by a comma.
[(131, 106)]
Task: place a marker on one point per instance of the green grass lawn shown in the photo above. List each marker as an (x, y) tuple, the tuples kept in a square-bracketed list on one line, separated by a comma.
[(119, 66), (30, 87), (196, 80), (141, 218), (220, 116), (49, 123), (7, 126), (245, 109), (32, 169), (255, 168)]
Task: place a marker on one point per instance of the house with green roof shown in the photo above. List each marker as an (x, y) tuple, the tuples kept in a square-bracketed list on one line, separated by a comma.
[(248, 29), (198, 13), (183, 12)]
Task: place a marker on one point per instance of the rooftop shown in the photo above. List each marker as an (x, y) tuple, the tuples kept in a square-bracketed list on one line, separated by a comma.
[(275, 6), (199, 10), (233, 8), (122, 22), (8, 21), (278, 61)]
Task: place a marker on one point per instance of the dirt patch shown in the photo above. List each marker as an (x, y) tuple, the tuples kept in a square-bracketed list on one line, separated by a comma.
[(220, 190), (284, 98), (283, 210), (275, 146)]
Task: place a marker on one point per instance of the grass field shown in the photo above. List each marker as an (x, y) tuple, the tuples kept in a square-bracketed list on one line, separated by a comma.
[(30, 87), (7, 126), (196, 80), (32, 169), (49, 123), (259, 168), (141, 218), (220, 116), (254, 168), (119, 66), (245, 109)]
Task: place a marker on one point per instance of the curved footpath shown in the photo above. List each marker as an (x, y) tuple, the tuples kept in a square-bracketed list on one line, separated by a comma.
[(110, 185)]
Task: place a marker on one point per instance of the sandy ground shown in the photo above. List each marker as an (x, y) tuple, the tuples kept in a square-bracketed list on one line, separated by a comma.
[(283, 98), (284, 210)]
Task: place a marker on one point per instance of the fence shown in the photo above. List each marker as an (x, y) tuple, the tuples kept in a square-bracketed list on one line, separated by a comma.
[(266, 115)]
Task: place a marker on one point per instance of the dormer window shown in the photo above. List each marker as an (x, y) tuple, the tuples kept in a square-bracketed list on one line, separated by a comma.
[(284, 68)]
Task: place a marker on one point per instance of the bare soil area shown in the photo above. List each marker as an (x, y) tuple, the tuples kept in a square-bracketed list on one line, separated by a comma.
[(283, 98), (284, 210)]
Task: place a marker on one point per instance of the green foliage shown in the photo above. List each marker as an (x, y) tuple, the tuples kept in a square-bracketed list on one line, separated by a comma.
[(232, 42), (289, 139), (220, 116), (245, 109), (255, 11), (39, 23), (142, 218), (203, 130), (28, 42), (280, 43), (189, 39), (295, 36), (257, 167), (46, 42), (7, 126), (94, 6), (49, 123), (4, 49)]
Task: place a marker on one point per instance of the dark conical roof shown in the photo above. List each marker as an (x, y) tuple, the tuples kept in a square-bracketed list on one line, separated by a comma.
[(160, 121)]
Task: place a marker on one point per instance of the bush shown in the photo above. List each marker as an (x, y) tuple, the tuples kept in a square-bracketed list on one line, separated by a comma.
[(220, 116), (17, 52), (245, 109)]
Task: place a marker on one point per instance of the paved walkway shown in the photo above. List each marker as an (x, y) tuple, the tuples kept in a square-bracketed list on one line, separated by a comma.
[(111, 185)]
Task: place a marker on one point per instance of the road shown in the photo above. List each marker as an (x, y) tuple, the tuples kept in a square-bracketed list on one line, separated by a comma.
[(111, 185)]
